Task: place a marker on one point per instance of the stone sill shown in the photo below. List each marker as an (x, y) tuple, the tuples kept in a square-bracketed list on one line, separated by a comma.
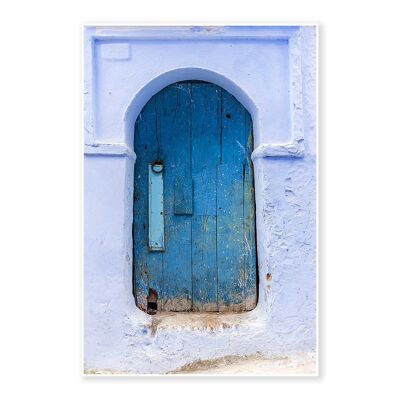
[(202, 321)]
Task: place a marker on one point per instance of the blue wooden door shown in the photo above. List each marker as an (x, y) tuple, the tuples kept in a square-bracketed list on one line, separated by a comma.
[(194, 212)]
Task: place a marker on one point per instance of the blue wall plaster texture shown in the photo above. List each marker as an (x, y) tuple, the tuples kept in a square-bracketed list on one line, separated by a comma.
[(272, 71)]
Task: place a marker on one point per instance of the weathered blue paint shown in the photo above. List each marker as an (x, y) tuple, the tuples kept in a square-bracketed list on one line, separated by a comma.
[(204, 140), (206, 102), (249, 227), (156, 207), (183, 196)]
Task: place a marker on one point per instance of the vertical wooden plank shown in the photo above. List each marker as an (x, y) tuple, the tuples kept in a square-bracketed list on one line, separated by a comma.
[(204, 263), (147, 265), (173, 106), (206, 126), (230, 243), (230, 246), (250, 261), (206, 113)]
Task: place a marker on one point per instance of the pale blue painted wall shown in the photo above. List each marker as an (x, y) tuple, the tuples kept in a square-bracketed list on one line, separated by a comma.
[(276, 81)]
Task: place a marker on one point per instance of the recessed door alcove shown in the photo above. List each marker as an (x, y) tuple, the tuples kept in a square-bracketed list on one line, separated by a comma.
[(194, 233)]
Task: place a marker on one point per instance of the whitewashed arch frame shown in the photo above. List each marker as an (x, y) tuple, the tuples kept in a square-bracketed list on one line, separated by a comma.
[(119, 41), (122, 72)]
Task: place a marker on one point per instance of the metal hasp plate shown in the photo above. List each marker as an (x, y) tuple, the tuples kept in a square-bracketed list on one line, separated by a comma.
[(156, 207)]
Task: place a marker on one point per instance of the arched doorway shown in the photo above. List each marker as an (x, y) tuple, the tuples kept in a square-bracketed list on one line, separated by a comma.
[(194, 208)]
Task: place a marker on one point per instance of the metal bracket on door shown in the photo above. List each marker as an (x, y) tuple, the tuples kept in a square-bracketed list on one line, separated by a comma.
[(156, 206)]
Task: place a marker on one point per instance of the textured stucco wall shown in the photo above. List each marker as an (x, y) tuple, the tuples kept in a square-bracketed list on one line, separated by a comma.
[(276, 82)]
